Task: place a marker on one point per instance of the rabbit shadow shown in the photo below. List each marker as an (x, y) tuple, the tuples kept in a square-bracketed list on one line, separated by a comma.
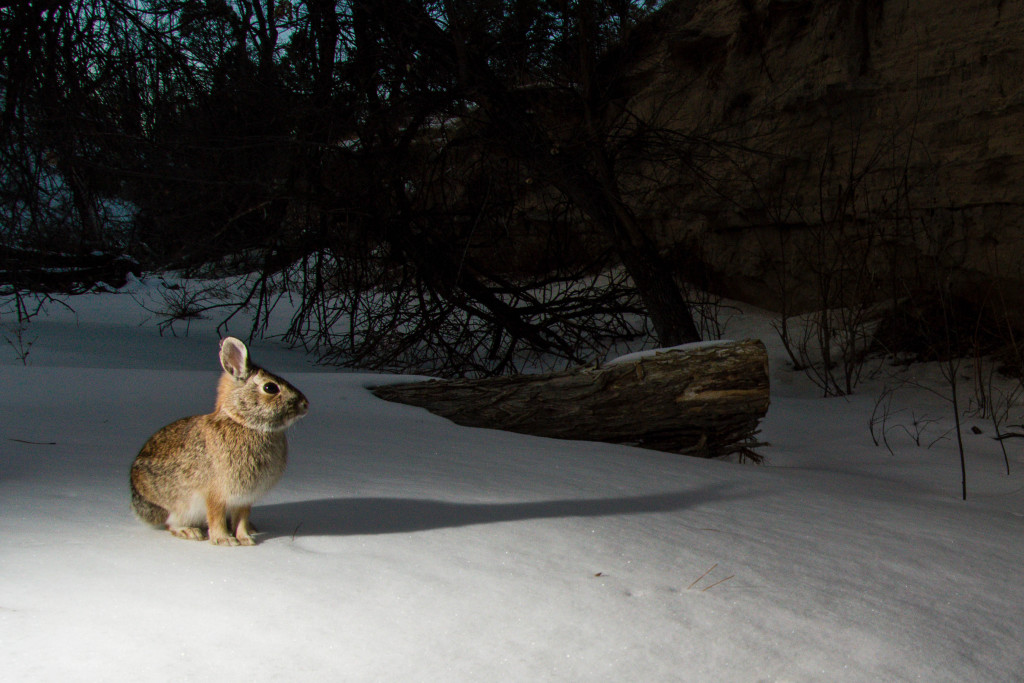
[(375, 516)]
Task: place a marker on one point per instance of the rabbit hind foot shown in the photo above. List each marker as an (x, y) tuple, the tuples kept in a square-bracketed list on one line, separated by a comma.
[(189, 533)]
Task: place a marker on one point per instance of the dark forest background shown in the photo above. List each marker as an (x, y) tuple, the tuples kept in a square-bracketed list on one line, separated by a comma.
[(441, 184), (474, 188)]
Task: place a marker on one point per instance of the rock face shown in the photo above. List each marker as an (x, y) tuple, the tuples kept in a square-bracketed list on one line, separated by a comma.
[(882, 140)]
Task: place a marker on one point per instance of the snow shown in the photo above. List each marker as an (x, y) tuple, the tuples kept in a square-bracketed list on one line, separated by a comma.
[(399, 546), (651, 353)]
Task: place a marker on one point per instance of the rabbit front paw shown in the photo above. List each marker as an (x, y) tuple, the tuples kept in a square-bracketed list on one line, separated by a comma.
[(243, 527), (224, 540)]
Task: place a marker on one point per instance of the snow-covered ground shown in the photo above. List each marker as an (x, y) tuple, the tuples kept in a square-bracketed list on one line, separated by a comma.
[(400, 547)]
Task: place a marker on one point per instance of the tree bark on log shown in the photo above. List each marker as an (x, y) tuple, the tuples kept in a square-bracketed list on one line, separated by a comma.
[(700, 399)]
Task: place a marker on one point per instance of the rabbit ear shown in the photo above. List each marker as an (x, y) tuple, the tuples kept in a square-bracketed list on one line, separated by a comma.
[(234, 358)]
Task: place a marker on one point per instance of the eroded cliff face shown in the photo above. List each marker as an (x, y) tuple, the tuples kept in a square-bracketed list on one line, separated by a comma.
[(882, 139)]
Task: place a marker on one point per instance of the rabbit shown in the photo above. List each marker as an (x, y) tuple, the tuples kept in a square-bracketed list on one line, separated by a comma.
[(218, 465)]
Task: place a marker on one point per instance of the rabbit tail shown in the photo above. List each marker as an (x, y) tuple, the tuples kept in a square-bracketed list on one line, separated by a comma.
[(148, 512)]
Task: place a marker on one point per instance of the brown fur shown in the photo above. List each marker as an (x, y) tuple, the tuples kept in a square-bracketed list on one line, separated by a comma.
[(213, 467)]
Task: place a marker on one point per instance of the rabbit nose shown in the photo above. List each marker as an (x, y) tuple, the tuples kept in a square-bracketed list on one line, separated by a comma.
[(304, 404)]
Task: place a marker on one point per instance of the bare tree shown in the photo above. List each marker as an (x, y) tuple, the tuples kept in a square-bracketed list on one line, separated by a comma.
[(377, 159)]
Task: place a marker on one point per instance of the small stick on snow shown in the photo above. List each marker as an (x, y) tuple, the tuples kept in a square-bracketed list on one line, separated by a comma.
[(702, 576), (716, 583)]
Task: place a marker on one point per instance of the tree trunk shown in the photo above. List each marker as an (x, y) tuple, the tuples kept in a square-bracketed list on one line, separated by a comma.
[(703, 399)]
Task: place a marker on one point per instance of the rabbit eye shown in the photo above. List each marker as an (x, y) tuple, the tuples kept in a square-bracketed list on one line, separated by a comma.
[(271, 388)]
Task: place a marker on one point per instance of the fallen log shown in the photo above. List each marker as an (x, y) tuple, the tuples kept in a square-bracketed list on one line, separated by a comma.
[(699, 399)]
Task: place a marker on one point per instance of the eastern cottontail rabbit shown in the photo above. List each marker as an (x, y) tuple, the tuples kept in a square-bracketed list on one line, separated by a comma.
[(218, 465)]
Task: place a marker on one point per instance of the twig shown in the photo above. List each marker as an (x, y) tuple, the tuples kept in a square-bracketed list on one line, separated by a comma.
[(34, 443), (702, 576), (1008, 435), (716, 583)]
